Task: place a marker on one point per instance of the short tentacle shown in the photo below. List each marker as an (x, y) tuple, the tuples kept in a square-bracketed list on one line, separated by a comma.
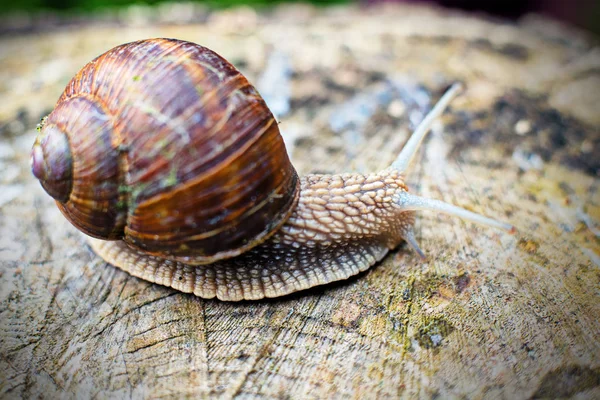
[(409, 237)]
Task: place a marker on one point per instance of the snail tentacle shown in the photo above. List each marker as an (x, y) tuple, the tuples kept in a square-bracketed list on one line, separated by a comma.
[(411, 202), (409, 237), (407, 154)]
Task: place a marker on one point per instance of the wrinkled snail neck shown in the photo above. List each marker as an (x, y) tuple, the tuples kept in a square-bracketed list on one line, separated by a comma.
[(334, 209)]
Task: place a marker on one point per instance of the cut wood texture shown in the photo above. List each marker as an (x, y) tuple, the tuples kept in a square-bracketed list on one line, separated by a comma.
[(486, 315)]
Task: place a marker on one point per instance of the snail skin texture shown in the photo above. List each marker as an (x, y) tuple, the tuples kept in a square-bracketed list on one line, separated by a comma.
[(168, 158)]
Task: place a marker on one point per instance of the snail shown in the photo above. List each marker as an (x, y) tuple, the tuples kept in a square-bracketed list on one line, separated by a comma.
[(166, 156)]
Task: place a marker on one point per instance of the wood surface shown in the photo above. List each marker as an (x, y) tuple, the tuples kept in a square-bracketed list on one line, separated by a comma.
[(487, 315)]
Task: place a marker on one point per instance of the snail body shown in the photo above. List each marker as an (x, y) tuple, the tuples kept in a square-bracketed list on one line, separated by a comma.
[(165, 155)]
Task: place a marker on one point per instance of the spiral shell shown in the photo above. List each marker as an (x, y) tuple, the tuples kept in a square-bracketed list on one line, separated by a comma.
[(164, 144)]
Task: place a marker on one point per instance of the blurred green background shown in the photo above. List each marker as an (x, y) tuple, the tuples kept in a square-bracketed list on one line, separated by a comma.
[(582, 13), (93, 5)]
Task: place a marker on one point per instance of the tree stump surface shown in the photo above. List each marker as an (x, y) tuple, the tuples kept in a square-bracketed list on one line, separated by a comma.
[(486, 315)]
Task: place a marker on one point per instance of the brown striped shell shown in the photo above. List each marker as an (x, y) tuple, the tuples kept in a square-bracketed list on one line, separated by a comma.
[(164, 144)]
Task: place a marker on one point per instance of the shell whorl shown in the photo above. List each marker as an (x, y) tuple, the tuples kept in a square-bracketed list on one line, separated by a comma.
[(52, 163), (173, 151)]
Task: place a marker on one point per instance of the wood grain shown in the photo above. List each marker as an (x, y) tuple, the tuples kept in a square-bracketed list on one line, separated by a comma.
[(487, 315)]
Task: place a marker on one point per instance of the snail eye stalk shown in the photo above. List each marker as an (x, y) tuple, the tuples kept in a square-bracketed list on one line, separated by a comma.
[(411, 202), (409, 150)]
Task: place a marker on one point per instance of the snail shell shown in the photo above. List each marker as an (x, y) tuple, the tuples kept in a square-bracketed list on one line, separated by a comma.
[(164, 144)]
